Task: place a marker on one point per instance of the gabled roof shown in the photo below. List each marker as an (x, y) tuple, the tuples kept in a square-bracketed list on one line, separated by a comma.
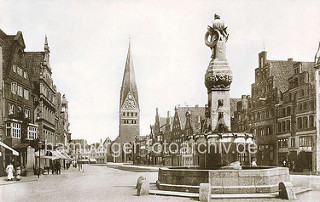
[(129, 81), (197, 113)]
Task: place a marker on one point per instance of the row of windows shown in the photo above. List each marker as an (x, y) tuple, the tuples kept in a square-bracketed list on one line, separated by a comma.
[(12, 111), (19, 70), (130, 114), (48, 114), (303, 142), (13, 130), (283, 143), (46, 92), (303, 122), (17, 89), (284, 126), (129, 121), (261, 115), (263, 131)]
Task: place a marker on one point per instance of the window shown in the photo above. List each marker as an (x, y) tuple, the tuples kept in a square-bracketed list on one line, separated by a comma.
[(14, 87), (25, 75), (269, 130), (299, 123), (279, 127), (131, 113), (20, 91), (283, 143), (19, 70), (15, 130), (128, 113), (311, 122), (288, 125), (305, 122), (305, 141), (32, 133), (220, 103), (26, 94), (293, 142), (14, 68), (136, 114), (305, 105), (11, 109), (123, 114), (288, 111), (300, 106), (27, 113), (8, 127), (283, 126)]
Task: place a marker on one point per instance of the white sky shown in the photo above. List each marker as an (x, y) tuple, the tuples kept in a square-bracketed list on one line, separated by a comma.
[(89, 40)]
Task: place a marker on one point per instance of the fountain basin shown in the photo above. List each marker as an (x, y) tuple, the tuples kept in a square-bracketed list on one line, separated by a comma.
[(246, 180)]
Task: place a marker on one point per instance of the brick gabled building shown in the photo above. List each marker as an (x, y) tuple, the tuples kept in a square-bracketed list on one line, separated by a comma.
[(44, 92), (271, 82), (296, 122), (17, 128)]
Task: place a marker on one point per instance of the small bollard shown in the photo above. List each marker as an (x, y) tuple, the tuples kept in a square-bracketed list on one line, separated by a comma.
[(286, 191), (143, 188), (139, 180), (205, 192)]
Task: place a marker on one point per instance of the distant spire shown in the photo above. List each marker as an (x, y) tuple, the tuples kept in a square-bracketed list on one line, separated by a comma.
[(129, 80), (46, 46)]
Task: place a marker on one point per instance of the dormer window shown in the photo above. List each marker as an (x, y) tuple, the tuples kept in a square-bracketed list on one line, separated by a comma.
[(25, 75), (14, 68)]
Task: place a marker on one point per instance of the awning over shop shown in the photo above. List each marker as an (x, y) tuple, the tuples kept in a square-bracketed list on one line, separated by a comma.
[(43, 156), (21, 146), (66, 156), (14, 152)]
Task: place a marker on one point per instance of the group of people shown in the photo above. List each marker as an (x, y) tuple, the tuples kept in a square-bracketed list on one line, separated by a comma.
[(10, 171), (56, 168)]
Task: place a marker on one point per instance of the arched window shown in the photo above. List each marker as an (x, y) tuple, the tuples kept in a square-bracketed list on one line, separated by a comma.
[(311, 122), (305, 122), (300, 123)]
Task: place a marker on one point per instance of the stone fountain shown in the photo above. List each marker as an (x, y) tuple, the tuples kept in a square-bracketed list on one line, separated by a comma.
[(221, 167)]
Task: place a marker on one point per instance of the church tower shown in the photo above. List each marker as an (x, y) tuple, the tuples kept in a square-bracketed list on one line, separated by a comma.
[(129, 109)]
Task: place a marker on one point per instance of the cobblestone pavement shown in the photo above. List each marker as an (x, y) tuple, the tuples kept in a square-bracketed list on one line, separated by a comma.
[(101, 183)]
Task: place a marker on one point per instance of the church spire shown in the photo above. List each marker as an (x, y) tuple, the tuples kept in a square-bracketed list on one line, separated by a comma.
[(129, 87)]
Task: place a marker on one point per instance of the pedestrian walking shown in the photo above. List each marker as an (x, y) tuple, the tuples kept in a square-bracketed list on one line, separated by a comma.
[(9, 170), (58, 168), (53, 167)]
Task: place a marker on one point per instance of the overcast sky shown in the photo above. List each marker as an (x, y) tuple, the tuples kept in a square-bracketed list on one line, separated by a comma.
[(89, 41)]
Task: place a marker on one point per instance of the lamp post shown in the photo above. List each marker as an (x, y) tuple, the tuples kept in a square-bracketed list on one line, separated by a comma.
[(39, 159)]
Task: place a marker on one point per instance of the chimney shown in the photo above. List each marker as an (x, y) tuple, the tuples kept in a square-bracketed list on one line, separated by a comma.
[(197, 106), (290, 59), (168, 114)]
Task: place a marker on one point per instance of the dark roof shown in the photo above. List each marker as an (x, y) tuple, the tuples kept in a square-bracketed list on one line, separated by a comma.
[(129, 81), (197, 113), (33, 62)]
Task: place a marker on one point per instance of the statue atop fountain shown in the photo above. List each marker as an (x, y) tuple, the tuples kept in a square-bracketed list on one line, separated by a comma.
[(218, 37)]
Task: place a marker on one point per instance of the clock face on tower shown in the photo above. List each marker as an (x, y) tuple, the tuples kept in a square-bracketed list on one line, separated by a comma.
[(130, 103)]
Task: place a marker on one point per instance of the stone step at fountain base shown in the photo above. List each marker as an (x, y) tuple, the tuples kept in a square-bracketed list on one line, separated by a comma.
[(257, 189), (214, 196), (154, 191)]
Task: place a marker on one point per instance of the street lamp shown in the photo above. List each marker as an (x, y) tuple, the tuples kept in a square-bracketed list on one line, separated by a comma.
[(39, 159)]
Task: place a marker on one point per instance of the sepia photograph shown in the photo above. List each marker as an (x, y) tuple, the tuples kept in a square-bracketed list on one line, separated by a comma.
[(159, 100)]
